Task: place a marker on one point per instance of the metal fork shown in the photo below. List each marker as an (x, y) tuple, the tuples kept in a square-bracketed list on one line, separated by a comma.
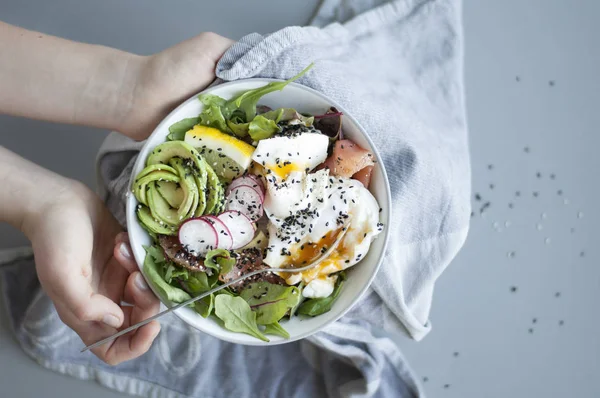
[(324, 256)]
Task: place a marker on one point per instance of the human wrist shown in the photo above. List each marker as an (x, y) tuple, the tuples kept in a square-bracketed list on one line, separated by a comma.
[(28, 191)]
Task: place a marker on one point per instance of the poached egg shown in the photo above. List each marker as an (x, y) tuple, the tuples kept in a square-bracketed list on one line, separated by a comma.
[(307, 210)]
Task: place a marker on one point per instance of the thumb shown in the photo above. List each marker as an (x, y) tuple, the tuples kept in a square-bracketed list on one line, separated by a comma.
[(97, 308), (77, 301)]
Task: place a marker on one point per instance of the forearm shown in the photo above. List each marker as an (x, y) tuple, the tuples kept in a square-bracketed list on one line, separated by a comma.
[(25, 188), (48, 78)]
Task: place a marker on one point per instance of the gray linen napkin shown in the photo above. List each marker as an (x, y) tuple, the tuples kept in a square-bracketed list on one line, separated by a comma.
[(398, 69)]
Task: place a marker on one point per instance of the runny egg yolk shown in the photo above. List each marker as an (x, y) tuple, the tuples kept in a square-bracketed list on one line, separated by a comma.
[(283, 169), (306, 253)]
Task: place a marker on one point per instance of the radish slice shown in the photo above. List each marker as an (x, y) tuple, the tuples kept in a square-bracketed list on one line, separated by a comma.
[(198, 236), (246, 200), (241, 227), (225, 238), (248, 179)]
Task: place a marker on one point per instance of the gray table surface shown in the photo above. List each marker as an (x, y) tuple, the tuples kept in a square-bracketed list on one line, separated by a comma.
[(514, 313)]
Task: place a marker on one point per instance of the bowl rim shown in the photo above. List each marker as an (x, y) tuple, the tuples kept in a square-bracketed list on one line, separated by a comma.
[(214, 86)]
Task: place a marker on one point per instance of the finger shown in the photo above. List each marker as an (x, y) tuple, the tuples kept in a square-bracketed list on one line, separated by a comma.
[(122, 252), (122, 237), (79, 303), (138, 293), (131, 345)]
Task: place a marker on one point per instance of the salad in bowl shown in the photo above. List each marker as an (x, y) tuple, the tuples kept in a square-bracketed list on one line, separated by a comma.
[(245, 184)]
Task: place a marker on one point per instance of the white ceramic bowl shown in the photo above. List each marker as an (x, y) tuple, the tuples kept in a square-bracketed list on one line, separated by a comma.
[(360, 275)]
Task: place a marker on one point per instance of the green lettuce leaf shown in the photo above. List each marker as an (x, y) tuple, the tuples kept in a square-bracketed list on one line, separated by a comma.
[(237, 315), (166, 291), (287, 114), (318, 306), (156, 252), (276, 329), (205, 306), (302, 299), (214, 113), (270, 302), (177, 130), (248, 100), (219, 260), (239, 129), (260, 128)]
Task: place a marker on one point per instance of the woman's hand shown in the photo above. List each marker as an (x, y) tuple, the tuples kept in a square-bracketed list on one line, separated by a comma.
[(166, 79), (49, 78), (86, 267), (82, 258)]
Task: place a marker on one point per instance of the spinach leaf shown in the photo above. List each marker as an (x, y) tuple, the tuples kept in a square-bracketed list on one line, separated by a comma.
[(166, 291), (219, 260), (276, 329), (270, 302), (247, 101), (318, 306), (260, 128), (237, 315), (177, 130)]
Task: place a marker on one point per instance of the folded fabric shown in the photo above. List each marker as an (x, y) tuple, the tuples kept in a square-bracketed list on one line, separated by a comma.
[(397, 69)]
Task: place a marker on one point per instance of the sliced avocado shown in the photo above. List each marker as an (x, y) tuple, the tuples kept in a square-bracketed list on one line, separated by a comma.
[(201, 188), (226, 168), (155, 167), (188, 185), (160, 208), (174, 149), (213, 185), (171, 191), (260, 241), (152, 225), (140, 188)]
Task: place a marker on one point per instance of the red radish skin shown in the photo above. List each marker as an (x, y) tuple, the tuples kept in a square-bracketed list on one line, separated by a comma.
[(225, 237), (198, 236), (246, 200), (241, 227)]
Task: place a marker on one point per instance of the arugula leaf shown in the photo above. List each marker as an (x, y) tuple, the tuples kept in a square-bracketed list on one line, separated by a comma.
[(237, 315), (318, 306), (260, 128), (171, 293), (247, 100), (219, 260), (276, 329), (270, 302), (205, 306), (177, 130)]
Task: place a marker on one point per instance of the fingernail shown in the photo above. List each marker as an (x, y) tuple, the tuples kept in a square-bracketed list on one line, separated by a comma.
[(125, 251), (140, 282), (111, 320)]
